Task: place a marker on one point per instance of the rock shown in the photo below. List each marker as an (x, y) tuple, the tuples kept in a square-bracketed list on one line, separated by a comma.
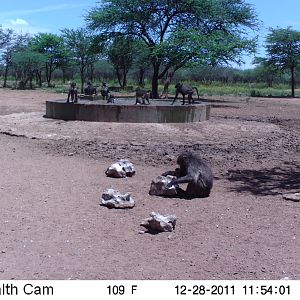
[(159, 186), (113, 199), (292, 197), (160, 223), (121, 169)]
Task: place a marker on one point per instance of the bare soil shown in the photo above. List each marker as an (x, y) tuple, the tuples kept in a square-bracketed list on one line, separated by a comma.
[(52, 177)]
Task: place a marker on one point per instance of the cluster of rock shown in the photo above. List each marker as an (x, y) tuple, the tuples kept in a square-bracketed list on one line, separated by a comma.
[(112, 198)]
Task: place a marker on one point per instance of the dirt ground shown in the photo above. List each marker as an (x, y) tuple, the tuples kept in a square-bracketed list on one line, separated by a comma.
[(52, 177)]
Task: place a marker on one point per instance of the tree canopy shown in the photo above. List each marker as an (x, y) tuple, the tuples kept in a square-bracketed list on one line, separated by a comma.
[(80, 44), (120, 54), (283, 51), (26, 63), (52, 46), (179, 32), (5, 36)]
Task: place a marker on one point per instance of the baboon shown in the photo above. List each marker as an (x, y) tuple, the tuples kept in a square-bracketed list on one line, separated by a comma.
[(90, 89), (141, 96), (104, 91), (72, 93), (111, 98), (185, 90), (194, 171)]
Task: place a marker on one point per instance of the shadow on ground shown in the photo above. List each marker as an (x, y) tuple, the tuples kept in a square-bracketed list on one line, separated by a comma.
[(264, 182)]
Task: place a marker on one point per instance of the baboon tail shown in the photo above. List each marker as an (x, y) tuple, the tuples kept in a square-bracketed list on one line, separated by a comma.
[(197, 92)]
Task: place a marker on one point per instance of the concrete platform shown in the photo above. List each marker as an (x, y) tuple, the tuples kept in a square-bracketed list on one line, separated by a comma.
[(126, 112), (90, 97)]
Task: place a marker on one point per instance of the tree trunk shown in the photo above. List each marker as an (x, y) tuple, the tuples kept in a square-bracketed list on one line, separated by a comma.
[(5, 76), (293, 81), (155, 82), (124, 78), (141, 77), (30, 82), (119, 76), (49, 72), (39, 78), (81, 80), (63, 75)]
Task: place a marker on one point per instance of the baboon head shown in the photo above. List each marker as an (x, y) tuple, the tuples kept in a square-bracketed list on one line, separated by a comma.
[(184, 158), (178, 85)]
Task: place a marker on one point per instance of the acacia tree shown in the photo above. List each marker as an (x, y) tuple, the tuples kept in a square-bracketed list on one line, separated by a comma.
[(26, 63), (17, 42), (80, 44), (179, 32), (6, 40), (265, 71), (140, 64), (52, 46), (283, 51), (120, 54), (5, 37)]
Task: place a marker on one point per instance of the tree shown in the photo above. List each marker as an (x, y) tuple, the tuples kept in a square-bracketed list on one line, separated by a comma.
[(5, 36), (283, 51), (80, 44), (52, 46), (120, 54), (103, 70), (179, 32), (6, 43), (17, 42), (141, 57), (26, 63), (265, 71)]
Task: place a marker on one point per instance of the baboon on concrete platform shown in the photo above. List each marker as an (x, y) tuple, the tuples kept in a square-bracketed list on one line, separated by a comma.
[(141, 96), (104, 91), (194, 171), (111, 98), (185, 90), (90, 89), (72, 93)]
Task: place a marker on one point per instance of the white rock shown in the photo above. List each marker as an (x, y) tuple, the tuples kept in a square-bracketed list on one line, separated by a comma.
[(160, 223), (159, 186), (113, 199), (121, 169), (293, 197)]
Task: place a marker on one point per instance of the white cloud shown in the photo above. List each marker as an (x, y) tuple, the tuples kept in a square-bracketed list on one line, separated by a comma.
[(19, 22), (22, 26)]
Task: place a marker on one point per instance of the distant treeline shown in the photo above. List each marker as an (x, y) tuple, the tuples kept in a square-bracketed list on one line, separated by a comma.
[(103, 70)]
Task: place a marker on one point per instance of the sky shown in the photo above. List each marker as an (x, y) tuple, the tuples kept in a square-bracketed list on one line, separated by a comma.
[(275, 13), (35, 16)]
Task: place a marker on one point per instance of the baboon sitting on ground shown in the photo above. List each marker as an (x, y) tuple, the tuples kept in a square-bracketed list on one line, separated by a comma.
[(194, 171)]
